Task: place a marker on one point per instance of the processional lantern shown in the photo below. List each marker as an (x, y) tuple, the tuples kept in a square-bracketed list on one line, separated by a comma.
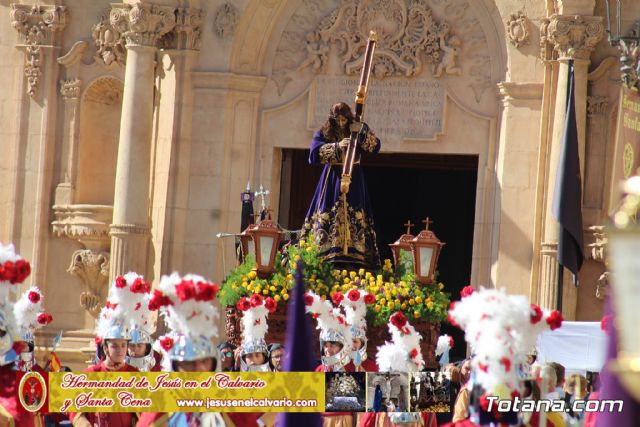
[(624, 253), (262, 241), (402, 244), (426, 249)]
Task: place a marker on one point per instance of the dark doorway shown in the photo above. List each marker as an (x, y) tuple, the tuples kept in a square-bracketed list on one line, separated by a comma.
[(404, 187)]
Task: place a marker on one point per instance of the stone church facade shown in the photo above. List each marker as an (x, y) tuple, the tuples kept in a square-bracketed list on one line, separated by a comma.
[(129, 130)]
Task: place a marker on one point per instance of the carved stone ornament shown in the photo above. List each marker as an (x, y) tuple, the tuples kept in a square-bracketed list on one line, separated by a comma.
[(629, 55), (599, 245), (89, 224), (602, 288), (596, 105), (70, 89), (574, 37), (408, 39), (518, 29), (93, 269), (142, 24), (225, 20), (37, 26), (187, 32), (110, 42)]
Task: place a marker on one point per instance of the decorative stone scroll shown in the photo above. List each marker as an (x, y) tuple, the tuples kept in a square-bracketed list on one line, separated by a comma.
[(573, 37), (70, 89), (37, 26), (596, 105), (518, 29), (109, 41), (93, 269), (142, 24)]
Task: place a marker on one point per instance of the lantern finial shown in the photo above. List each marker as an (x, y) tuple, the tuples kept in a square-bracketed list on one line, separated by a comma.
[(426, 223), (408, 225)]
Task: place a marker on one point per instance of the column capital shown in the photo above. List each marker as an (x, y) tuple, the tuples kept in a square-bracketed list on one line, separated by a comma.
[(188, 30), (37, 26), (596, 105), (142, 24), (573, 37)]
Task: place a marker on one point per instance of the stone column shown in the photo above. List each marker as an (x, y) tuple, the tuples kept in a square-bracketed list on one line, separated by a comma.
[(573, 37), (143, 25)]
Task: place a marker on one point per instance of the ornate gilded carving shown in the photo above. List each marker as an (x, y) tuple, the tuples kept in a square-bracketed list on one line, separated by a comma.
[(518, 29), (109, 42), (225, 20), (93, 269), (596, 105), (70, 89), (37, 26), (142, 24), (574, 37)]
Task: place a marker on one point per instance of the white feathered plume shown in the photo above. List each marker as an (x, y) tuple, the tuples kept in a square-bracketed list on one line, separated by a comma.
[(13, 271), (403, 353), (29, 313), (444, 344), (501, 329), (329, 318), (355, 306), (254, 317), (135, 297)]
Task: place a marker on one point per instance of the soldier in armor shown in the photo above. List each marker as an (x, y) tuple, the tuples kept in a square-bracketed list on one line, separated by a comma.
[(254, 352), (355, 308)]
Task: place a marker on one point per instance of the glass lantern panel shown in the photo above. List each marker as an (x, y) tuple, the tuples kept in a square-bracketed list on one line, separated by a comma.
[(425, 260), (625, 265), (266, 244), (252, 248), (406, 259)]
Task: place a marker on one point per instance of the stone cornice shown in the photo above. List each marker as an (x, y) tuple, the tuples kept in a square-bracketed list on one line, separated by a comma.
[(511, 91), (229, 81), (573, 37), (142, 24)]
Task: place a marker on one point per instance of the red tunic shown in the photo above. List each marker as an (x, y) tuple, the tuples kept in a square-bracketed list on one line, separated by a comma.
[(111, 419), (9, 414)]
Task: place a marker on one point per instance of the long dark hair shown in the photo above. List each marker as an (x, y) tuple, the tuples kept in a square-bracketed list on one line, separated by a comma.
[(330, 130)]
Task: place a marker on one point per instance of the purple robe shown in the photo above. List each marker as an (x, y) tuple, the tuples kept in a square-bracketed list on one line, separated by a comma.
[(326, 215)]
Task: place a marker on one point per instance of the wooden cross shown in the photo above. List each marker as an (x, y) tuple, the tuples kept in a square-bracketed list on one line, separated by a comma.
[(426, 223), (408, 225), (262, 193)]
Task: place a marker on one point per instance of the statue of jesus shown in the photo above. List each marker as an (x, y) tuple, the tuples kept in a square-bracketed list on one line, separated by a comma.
[(328, 219)]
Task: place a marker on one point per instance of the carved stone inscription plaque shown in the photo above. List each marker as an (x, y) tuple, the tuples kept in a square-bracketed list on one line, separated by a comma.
[(396, 109)]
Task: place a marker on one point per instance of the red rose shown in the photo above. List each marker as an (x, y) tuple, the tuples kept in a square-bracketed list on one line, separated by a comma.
[(186, 290), (270, 304), (605, 323), (166, 343), (308, 300), (206, 291), (34, 297), (506, 363), (121, 282), (413, 354), (369, 299), (536, 316), (243, 304), (450, 342), (555, 320), (256, 300), (140, 286), (483, 367), (20, 347), (466, 291), (337, 298), (159, 300), (398, 320), (22, 269), (44, 318), (9, 272), (97, 340), (354, 295)]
